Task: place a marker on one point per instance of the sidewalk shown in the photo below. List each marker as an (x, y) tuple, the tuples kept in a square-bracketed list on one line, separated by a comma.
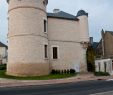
[(78, 78)]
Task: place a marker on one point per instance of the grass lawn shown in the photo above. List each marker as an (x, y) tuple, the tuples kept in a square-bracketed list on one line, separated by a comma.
[(51, 76)]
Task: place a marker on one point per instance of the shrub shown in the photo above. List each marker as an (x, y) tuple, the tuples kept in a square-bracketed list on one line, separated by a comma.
[(58, 71), (65, 71), (53, 72), (72, 71), (62, 72), (68, 71), (3, 67), (102, 74)]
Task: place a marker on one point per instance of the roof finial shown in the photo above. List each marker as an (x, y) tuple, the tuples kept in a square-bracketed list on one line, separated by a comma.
[(102, 30), (56, 10)]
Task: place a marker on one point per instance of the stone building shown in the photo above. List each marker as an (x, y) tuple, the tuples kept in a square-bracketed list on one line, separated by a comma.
[(104, 65), (105, 46), (3, 53), (104, 52), (41, 41)]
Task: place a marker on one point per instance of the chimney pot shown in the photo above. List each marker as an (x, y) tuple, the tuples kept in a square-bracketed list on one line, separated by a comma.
[(56, 10)]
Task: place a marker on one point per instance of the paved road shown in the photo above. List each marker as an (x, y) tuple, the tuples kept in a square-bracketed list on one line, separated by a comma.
[(80, 88)]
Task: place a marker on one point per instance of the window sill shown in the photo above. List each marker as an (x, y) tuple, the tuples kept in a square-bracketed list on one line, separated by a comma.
[(54, 59), (46, 58), (45, 32)]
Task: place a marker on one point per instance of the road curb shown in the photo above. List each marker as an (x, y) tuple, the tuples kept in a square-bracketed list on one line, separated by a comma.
[(20, 83)]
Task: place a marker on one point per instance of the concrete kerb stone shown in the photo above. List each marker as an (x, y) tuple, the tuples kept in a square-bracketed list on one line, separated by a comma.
[(79, 78)]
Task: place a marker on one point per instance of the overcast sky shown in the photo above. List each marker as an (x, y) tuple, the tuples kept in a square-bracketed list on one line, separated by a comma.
[(100, 14)]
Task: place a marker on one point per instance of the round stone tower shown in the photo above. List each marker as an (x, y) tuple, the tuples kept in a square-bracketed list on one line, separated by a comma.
[(28, 41), (84, 38), (83, 25)]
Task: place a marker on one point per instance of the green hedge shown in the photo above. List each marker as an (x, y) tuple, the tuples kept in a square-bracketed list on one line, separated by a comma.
[(2, 66), (102, 74), (68, 71)]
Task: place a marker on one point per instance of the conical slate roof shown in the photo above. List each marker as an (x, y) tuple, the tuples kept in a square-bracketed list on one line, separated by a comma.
[(81, 13)]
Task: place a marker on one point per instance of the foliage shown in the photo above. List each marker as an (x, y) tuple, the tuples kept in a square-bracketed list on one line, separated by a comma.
[(2, 66), (101, 74), (90, 54), (53, 72), (65, 71), (68, 71), (72, 71)]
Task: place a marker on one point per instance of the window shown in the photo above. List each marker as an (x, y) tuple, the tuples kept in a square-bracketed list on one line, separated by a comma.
[(46, 51), (44, 3), (45, 26), (55, 53), (112, 64)]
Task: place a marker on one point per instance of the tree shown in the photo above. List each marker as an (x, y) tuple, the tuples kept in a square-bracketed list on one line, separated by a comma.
[(90, 54)]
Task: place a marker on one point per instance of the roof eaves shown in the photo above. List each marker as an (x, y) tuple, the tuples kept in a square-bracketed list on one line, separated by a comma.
[(111, 32), (76, 19), (99, 43), (95, 44), (3, 45), (62, 15)]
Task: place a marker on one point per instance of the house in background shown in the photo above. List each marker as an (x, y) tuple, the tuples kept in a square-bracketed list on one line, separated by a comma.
[(104, 52), (105, 47), (92, 43), (3, 53)]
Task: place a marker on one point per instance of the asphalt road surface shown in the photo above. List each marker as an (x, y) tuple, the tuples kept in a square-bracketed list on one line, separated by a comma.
[(81, 88)]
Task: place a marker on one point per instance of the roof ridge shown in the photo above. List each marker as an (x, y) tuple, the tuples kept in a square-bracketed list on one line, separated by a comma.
[(2, 44), (111, 32), (108, 31), (68, 13), (62, 15)]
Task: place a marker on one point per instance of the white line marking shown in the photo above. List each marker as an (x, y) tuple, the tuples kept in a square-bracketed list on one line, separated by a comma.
[(109, 80), (104, 93)]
